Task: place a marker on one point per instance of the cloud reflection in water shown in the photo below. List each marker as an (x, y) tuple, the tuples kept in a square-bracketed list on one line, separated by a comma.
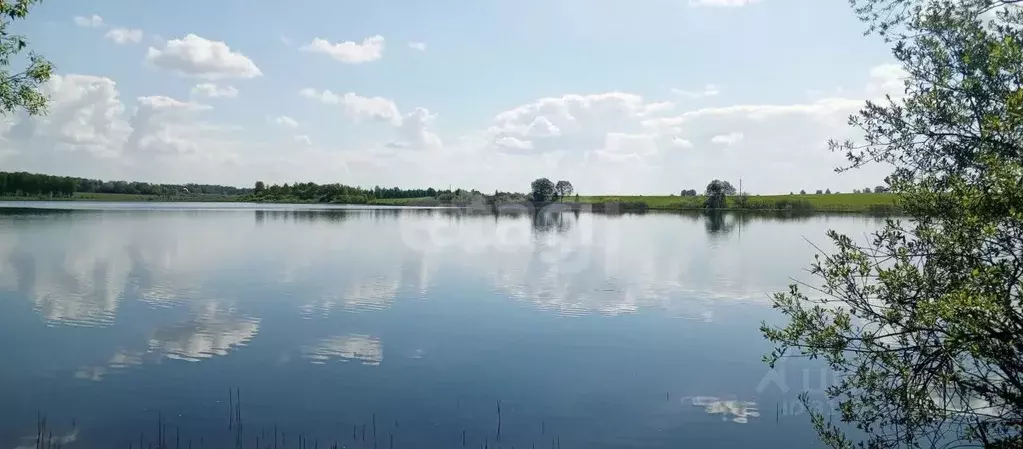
[(120, 360), (30, 442), (346, 348), (81, 288), (213, 332), (739, 411)]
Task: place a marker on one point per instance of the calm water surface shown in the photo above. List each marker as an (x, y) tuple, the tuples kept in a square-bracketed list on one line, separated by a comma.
[(594, 331)]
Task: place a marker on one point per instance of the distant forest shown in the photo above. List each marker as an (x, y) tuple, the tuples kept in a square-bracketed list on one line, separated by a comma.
[(309, 192), (33, 184), (22, 184)]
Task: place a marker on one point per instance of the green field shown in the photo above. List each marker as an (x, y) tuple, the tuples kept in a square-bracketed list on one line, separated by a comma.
[(838, 201), (843, 202)]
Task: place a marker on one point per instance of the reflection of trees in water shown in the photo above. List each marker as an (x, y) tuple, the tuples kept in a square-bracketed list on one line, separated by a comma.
[(15, 212), (337, 215), (714, 222), (546, 222), (609, 264), (299, 216), (722, 223), (554, 218)]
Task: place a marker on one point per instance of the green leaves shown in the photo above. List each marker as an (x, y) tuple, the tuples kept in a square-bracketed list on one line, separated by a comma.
[(924, 323), (20, 90)]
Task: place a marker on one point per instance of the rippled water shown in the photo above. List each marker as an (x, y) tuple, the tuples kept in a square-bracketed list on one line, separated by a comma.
[(590, 331)]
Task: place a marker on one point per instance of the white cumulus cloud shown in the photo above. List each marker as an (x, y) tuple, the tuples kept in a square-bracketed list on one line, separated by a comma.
[(542, 127), (286, 122), (415, 129), (349, 52), (373, 108), (160, 102), (421, 46), (92, 21), (211, 90), (358, 107), (85, 115), (513, 143), (605, 143), (622, 146), (681, 143), (124, 35), (727, 139), (324, 96), (89, 131), (887, 79), (202, 58), (709, 90), (575, 123), (159, 126)]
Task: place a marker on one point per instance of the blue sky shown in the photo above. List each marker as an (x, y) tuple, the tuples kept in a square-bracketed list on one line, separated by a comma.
[(647, 96)]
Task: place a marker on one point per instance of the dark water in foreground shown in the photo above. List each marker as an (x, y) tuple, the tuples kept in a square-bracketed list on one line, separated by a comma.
[(600, 331)]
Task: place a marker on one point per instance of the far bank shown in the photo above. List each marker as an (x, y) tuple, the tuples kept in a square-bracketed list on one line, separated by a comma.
[(876, 203)]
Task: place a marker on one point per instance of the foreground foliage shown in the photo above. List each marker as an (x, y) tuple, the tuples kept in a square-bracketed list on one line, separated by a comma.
[(20, 90), (924, 324)]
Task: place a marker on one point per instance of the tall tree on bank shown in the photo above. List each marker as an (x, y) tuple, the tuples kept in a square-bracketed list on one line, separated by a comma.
[(563, 189), (716, 192), (923, 326), (542, 191), (20, 89)]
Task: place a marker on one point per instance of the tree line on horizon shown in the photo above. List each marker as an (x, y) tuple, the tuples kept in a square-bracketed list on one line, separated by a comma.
[(339, 193), (25, 184), (542, 190), (868, 189), (36, 184)]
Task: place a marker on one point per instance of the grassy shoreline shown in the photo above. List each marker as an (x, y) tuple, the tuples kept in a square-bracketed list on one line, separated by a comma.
[(838, 202)]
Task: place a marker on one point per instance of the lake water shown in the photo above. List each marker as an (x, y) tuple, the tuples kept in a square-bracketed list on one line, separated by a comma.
[(589, 331)]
